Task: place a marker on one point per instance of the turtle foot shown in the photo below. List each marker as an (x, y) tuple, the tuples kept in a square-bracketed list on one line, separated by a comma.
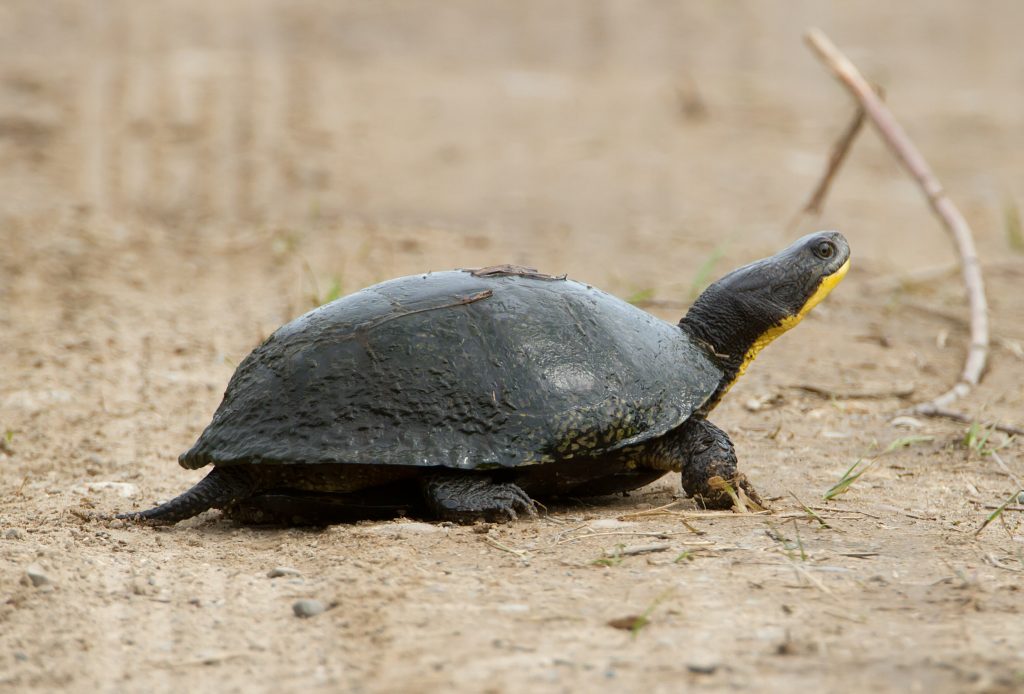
[(735, 492), (468, 498), (709, 473)]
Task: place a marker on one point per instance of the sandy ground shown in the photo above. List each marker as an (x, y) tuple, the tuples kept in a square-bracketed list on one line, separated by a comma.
[(180, 178)]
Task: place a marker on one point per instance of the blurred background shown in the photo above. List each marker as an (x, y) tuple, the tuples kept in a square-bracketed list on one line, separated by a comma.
[(621, 141)]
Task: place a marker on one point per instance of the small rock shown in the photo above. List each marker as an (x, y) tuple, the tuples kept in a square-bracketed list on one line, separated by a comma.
[(606, 523), (411, 528), (513, 608), (633, 622), (308, 608), (279, 571), (124, 489), (702, 668), (14, 534), (37, 576)]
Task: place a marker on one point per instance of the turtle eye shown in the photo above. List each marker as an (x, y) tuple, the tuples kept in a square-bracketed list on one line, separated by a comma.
[(824, 249)]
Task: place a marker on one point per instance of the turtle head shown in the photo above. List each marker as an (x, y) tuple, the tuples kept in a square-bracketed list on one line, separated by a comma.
[(748, 308)]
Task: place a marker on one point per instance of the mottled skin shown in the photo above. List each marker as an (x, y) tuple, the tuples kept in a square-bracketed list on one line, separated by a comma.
[(465, 394)]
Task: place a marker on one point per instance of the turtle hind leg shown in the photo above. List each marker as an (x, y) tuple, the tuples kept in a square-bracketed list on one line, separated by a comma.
[(218, 489), (468, 497), (708, 459)]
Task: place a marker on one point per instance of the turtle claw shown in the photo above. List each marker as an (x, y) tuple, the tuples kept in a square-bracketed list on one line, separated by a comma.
[(520, 501), (469, 498), (745, 489), (736, 493)]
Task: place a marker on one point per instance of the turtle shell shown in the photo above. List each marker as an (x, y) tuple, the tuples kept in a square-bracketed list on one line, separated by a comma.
[(463, 369)]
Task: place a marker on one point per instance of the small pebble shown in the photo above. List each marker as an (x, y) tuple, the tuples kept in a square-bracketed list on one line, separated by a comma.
[(409, 528), (14, 534), (702, 668), (308, 608), (37, 576), (279, 571), (123, 489), (513, 608)]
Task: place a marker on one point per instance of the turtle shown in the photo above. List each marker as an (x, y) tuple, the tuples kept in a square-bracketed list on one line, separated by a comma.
[(465, 395)]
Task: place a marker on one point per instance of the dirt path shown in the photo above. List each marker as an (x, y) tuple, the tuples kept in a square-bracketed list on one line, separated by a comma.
[(180, 178)]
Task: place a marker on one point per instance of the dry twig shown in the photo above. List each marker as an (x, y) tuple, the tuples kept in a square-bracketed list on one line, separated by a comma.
[(628, 533), (835, 160), (633, 515), (811, 578), (967, 419), (900, 391), (1006, 468), (907, 153), (521, 553), (633, 550)]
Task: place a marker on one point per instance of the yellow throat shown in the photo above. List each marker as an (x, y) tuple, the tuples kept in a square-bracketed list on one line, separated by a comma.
[(826, 286)]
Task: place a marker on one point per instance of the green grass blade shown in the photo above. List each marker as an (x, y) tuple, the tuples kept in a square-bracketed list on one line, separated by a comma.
[(847, 480), (999, 511), (907, 442)]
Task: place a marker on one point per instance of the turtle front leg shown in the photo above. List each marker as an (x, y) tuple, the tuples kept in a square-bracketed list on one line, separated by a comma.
[(709, 464), (467, 497)]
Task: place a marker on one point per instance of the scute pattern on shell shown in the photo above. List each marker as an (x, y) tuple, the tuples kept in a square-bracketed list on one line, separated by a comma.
[(461, 371)]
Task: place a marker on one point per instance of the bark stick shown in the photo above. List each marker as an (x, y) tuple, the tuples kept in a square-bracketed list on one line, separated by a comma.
[(901, 146), (836, 157)]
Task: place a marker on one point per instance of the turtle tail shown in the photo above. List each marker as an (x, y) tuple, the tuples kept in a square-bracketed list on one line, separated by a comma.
[(218, 489)]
